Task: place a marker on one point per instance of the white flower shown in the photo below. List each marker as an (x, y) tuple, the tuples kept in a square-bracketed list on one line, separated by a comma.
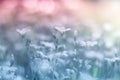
[(35, 46), (93, 54), (48, 44), (23, 31), (62, 29), (41, 54), (112, 59)]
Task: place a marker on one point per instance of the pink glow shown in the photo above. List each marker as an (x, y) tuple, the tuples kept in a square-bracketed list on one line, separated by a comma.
[(43, 6)]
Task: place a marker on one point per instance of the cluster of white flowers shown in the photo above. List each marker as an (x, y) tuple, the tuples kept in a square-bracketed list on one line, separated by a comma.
[(59, 53)]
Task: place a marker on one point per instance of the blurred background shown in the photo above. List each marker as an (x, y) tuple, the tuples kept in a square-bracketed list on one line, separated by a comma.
[(84, 10), (59, 40)]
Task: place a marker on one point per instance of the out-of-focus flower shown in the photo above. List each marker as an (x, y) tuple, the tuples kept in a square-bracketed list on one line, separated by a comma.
[(23, 31), (62, 29), (108, 27), (92, 54), (48, 44), (113, 59), (35, 46)]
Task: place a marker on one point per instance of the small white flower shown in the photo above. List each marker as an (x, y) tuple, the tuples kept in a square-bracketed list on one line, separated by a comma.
[(41, 54), (35, 46), (62, 29), (23, 31), (93, 54), (48, 44), (112, 59)]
